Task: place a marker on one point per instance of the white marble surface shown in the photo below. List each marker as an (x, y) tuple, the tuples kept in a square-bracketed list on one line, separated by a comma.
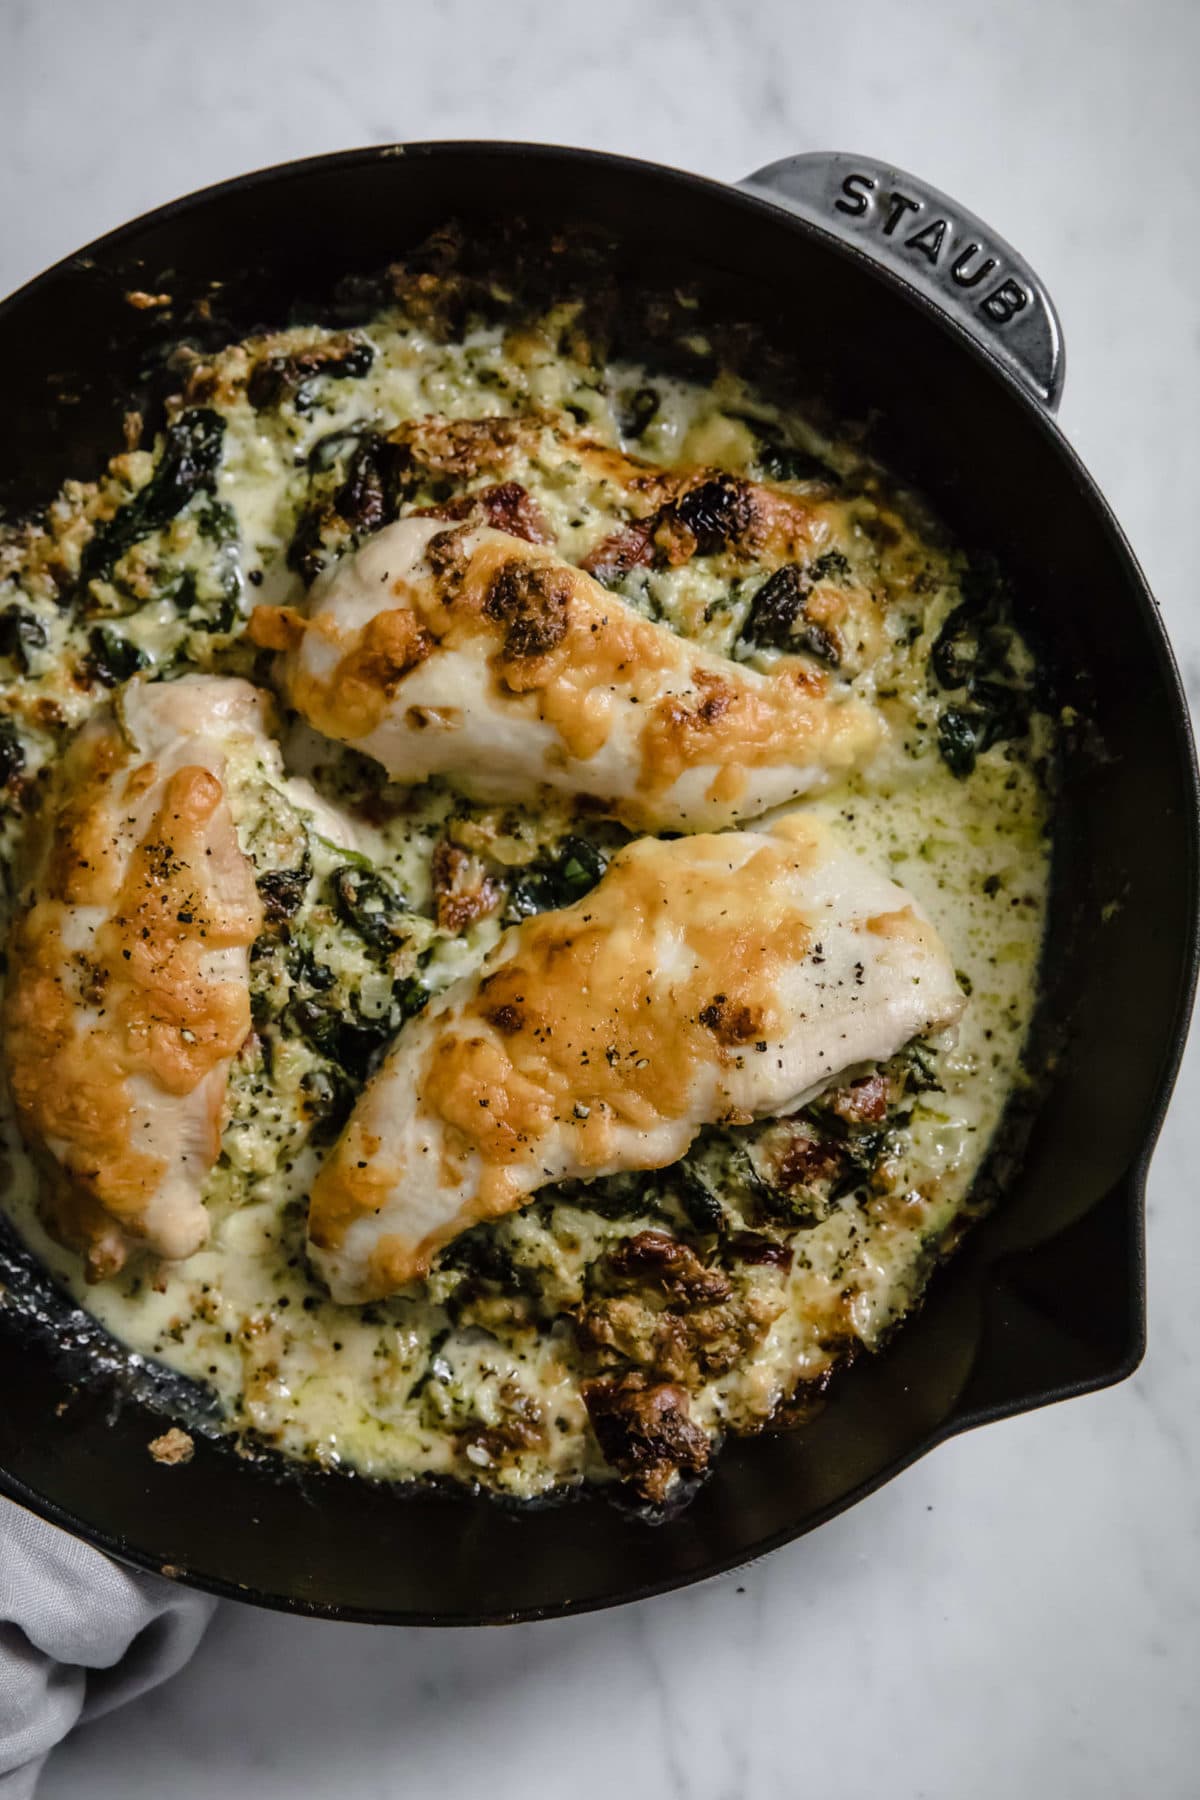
[(1020, 1614)]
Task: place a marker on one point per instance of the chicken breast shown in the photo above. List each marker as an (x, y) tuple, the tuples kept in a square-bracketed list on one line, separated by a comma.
[(705, 979), (128, 968), (469, 653)]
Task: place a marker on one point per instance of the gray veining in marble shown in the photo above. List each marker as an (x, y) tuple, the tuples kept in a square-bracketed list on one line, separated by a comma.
[(1020, 1614)]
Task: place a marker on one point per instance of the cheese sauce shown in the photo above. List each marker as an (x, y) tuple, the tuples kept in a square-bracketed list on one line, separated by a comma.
[(788, 1246)]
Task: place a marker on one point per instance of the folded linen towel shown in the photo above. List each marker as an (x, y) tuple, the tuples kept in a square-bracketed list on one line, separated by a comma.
[(79, 1635)]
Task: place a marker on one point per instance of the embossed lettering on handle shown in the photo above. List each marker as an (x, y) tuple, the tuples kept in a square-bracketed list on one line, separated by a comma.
[(936, 246)]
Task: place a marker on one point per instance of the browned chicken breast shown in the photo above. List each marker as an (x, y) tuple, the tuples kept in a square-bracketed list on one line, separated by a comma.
[(469, 653), (706, 979), (128, 969)]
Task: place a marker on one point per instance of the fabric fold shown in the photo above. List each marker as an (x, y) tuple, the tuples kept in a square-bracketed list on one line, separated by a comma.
[(80, 1634)]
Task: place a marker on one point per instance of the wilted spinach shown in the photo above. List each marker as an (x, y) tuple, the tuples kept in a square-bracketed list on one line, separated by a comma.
[(12, 755), (21, 632), (282, 890), (370, 905), (113, 658), (972, 655), (566, 875), (784, 462), (297, 375), (191, 456)]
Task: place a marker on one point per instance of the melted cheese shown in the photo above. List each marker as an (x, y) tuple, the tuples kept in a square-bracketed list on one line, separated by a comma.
[(128, 988), (474, 655), (710, 979)]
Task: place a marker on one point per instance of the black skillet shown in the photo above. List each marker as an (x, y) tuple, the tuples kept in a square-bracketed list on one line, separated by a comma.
[(917, 317)]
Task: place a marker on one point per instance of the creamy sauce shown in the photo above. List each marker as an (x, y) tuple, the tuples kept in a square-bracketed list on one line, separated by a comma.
[(479, 1371)]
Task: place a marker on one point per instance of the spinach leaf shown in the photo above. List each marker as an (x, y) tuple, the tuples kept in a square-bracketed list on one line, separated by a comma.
[(343, 1038), (783, 462), (377, 478), (21, 632), (699, 1198), (298, 375), (188, 465), (369, 904), (572, 870), (282, 890), (336, 1026), (965, 732), (920, 1072), (411, 996), (480, 1254), (960, 733), (972, 656), (113, 658), (12, 755)]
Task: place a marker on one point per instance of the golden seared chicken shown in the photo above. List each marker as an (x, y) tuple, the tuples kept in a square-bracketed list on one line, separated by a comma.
[(706, 979), (128, 968), (478, 656)]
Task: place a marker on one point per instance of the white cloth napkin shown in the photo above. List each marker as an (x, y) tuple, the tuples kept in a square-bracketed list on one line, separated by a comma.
[(79, 1634)]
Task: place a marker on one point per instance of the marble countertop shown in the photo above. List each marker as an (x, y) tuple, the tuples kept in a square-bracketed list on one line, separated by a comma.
[(1020, 1613)]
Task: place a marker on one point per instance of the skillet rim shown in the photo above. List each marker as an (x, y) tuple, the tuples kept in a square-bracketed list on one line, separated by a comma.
[(1131, 1185)]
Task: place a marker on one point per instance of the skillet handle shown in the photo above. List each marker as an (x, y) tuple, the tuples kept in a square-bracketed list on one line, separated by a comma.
[(933, 245)]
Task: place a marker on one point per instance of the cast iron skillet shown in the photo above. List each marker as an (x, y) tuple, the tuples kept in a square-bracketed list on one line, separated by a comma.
[(943, 338)]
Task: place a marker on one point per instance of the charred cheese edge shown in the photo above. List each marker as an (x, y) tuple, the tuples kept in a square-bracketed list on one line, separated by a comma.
[(475, 655)]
